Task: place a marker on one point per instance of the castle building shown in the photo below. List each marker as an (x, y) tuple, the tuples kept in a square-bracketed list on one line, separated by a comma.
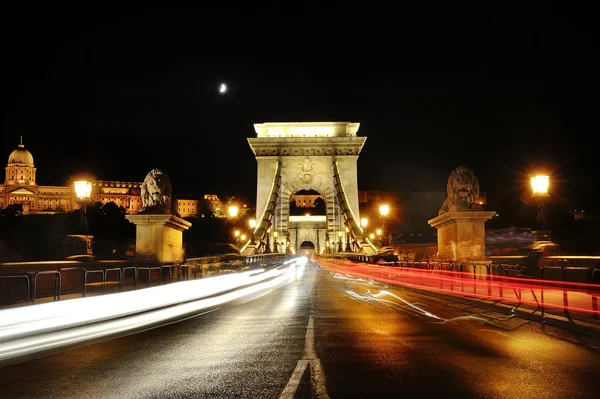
[(20, 187)]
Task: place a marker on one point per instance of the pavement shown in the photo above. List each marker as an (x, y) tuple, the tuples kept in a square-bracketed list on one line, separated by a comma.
[(325, 335)]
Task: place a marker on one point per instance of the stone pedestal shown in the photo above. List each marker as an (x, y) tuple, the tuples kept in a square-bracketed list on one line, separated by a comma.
[(159, 237), (461, 236)]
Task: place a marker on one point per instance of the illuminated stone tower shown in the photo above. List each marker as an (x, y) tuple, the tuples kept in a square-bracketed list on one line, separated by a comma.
[(319, 156)]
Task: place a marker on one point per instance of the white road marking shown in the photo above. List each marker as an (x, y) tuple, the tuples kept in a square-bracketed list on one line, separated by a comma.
[(309, 359)]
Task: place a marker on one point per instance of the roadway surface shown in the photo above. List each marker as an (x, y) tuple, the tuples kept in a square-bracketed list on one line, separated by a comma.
[(344, 338)]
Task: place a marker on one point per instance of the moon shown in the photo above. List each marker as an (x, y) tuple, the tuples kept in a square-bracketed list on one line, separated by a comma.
[(223, 88)]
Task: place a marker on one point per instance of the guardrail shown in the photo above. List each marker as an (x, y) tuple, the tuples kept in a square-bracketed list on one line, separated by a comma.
[(496, 282), (55, 279), (27, 333), (552, 268)]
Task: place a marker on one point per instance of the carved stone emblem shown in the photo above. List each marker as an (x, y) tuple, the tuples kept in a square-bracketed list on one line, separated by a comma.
[(306, 165)]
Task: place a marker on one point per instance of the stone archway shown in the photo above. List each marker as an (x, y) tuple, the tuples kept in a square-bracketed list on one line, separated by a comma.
[(307, 245)]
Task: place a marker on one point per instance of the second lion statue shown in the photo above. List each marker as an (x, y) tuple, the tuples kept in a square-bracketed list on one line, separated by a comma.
[(463, 192)]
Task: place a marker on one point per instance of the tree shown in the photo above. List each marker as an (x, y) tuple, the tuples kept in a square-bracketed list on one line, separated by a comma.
[(13, 210), (319, 208)]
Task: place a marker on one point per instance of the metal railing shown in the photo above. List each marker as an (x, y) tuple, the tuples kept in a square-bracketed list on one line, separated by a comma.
[(30, 283), (503, 283)]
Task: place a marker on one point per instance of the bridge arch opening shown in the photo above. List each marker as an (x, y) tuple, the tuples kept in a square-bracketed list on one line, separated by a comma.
[(307, 202), (307, 245), (306, 248)]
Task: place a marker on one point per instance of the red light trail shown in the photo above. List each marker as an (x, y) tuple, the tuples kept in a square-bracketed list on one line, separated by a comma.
[(541, 294)]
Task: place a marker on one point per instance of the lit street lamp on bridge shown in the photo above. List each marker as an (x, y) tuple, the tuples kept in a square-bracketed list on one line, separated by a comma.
[(233, 211), (384, 210), (348, 249), (340, 241), (252, 223), (267, 249), (83, 191), (540, 184), (363, 223)]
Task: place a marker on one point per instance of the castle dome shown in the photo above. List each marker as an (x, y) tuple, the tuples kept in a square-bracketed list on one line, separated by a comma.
[(21, 155)]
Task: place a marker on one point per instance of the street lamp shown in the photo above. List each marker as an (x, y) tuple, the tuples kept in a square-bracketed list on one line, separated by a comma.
[(340, 241), (378, 231), (268, 244), (233, 211), (252, 223), (83, 191), (384, 210), (348, 249), (363, 223), (275, 234), (540, 184)]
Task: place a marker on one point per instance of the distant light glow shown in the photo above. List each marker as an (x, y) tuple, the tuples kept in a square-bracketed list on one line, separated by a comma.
[(223, 88)]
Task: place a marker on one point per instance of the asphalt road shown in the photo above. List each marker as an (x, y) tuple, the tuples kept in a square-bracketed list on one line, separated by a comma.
[(344, 338)]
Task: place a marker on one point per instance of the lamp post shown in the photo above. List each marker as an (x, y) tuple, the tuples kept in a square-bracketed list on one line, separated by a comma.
[(363, 223), (233, 212), (384, 210), (340, 241), (379, 232), (268, 245), (275, 234), (83, 191), (252, 223), (540, 184), (348, 249)]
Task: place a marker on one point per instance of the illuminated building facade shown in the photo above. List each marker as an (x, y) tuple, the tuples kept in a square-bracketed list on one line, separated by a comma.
[(20, 187)]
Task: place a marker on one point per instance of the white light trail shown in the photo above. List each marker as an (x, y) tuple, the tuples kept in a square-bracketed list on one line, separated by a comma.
[(47, 327)]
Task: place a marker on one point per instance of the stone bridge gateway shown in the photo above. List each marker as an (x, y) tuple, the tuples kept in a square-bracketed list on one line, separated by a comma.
[(295, 156)]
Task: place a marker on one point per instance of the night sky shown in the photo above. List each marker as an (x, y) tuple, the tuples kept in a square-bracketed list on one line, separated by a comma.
[(120, 91)]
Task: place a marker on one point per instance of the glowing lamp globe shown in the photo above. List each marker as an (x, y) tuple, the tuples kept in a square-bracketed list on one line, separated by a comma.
[(83, 189), (384, 210), (539, 185)]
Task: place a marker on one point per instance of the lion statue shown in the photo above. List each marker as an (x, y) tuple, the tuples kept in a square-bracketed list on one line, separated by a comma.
[(156, 192), (463, 191)]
